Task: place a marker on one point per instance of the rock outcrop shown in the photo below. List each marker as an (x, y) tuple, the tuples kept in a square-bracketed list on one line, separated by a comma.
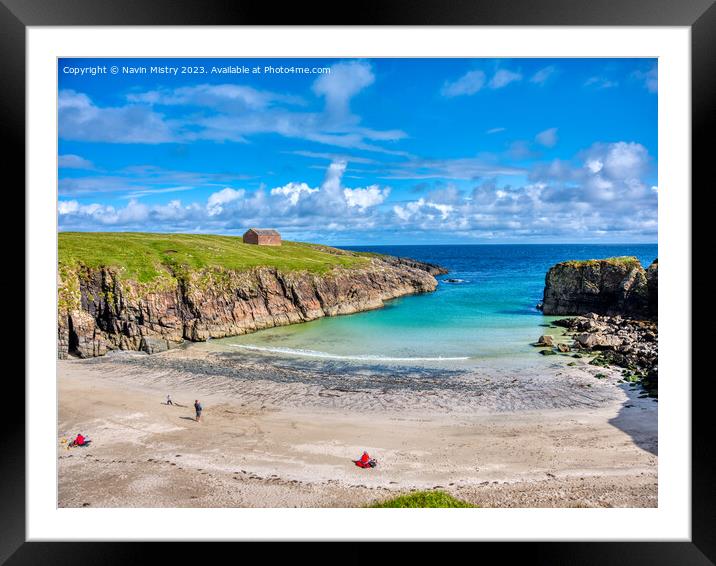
[(615, 286), (99, 311), (628, 343)]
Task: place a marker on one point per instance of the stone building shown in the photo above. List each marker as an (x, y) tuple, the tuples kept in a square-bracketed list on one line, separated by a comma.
[(261, 237)]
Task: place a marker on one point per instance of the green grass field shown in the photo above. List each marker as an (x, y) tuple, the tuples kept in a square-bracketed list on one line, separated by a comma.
[(143, 257), (422, 499), (628, 261)]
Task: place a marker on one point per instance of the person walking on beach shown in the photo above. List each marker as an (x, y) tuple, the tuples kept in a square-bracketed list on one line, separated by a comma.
[(169, 400), (197, 408)]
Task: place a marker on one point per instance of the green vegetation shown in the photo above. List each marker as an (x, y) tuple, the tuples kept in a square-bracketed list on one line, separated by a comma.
[(145, 257), (423, 499), (629, 261)]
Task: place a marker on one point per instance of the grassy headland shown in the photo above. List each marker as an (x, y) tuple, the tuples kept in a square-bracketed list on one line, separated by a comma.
[(144, 257), (628, 261)]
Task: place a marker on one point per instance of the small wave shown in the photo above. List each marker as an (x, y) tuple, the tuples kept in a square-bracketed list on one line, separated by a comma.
[(364, 357)]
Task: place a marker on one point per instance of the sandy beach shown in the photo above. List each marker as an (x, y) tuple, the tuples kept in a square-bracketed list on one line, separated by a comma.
[(283, 434)]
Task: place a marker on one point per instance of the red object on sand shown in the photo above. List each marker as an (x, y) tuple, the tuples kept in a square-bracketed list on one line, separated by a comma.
[(80, 440), (364, 461)]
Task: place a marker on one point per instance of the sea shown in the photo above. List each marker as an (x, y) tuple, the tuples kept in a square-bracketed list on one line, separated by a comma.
[(483, 311)]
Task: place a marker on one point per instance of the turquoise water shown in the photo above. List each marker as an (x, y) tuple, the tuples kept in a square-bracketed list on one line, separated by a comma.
[(489, 315)]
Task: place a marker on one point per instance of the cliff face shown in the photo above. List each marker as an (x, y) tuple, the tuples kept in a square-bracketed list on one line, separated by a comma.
[(616, 286), (99, 312)]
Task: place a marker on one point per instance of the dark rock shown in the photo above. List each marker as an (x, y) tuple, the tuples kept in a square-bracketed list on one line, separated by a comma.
[(615, 286), (152, 345), (619, 341), (652, 279)]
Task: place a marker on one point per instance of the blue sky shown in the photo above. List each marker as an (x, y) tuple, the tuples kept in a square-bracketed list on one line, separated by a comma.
[(358, 151)]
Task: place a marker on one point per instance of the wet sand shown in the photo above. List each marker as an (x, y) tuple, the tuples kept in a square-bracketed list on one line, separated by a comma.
[(282, 433)]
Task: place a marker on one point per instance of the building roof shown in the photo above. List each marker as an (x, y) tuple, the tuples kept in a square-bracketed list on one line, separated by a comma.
[(263, 232)]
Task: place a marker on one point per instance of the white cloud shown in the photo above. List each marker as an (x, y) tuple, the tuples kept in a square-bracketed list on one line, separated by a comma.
[(230, 112), (227, 97), (625, 160), (470, 83), (543, 75), (495, 130), (547, 138), (461, 168), (71, 161), (365, 198), (649, 78), (345, 80), (67, 206), (80, 119), (215, 203), (422, 211), (594, 165), (601, 82), (293, 191), (147, 192), (602, 192), (503, 77)]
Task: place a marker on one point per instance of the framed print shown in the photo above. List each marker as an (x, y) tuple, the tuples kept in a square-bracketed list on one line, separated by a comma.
[(286, 275)]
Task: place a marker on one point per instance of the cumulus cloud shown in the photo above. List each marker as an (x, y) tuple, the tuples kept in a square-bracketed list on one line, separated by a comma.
[(216, 201), (293, 205), (602, 191), (293, 191), (67, 206), (365, 198), (621, 160)]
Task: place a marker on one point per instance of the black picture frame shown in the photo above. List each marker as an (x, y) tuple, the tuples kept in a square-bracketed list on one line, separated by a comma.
[(699, 15)]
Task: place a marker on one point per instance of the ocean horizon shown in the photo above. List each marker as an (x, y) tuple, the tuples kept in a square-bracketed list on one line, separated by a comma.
[(483, 312)]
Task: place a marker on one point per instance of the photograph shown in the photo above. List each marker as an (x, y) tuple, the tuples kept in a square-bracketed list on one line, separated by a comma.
[(357, 282)]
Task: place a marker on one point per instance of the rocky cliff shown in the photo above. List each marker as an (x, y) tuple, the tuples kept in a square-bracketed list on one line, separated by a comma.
[(615, 286), (99, 311)]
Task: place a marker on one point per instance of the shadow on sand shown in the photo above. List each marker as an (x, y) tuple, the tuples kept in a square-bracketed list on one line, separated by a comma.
[(638, 418)]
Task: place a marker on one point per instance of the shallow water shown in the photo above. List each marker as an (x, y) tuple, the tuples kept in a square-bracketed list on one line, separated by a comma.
[(486, 317)]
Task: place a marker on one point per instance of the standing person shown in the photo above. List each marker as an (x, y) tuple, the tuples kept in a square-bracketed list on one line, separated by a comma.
[(197, 408), (169, 400)]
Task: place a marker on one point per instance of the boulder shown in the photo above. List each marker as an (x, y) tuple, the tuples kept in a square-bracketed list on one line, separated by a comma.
[(596, 341), (153, 345)]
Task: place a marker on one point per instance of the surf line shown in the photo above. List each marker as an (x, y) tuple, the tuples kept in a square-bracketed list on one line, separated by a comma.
[(365, 357)]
